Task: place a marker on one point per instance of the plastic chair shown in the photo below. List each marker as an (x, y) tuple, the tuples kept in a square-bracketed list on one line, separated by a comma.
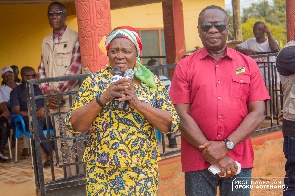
[(50, 132), (158, 135), (20, 129)]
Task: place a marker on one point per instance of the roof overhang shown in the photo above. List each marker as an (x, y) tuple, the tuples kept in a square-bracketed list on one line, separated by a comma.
[(115, 4)]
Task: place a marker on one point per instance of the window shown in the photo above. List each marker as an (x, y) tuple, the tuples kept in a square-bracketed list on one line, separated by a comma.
[(153, 43)]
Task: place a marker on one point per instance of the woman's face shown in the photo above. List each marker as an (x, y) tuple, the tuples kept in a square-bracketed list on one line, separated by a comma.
[(8, 77), (122, 53)]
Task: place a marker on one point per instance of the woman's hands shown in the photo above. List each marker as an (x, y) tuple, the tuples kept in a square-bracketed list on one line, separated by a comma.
[(123, 90)]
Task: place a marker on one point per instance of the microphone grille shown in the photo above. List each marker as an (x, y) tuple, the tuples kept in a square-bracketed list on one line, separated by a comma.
[(129, 74)]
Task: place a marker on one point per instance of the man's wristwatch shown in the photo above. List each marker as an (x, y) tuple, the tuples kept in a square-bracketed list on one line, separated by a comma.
[(229, 144), (99, 102)]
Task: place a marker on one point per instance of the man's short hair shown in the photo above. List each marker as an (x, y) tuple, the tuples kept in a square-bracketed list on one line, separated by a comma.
[(25, 69), (152, 62), (258, 23), (58, 3), (212, 7)]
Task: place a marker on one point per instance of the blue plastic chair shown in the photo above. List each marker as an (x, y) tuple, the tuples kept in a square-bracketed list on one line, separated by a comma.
[(50, 132), (158, 135), (20, 129)]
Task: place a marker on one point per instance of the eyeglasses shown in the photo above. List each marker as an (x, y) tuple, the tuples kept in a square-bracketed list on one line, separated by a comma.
[(57, 13), (33, 75), (220, 26)]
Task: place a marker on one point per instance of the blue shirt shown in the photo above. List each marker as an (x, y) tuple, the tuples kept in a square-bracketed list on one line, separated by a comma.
[(18, 96)]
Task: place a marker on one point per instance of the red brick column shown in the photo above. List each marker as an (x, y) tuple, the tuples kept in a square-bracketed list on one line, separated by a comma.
[(290, 15), (94, 22), (173, 31)]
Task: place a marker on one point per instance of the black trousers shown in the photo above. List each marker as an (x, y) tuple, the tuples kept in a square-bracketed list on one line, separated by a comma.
[(4, 133)]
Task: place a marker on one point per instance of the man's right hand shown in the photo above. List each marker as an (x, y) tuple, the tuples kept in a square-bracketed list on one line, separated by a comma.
[(52, 101), (228, 167)]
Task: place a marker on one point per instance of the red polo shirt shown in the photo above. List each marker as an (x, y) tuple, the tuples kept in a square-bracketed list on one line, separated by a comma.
[(218, 93)]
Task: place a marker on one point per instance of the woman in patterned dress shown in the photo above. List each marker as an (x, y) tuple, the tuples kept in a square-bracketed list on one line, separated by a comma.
[(122, 153)]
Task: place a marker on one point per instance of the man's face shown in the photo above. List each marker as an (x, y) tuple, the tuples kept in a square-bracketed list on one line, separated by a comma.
[(258, 31), (213, 38), (56, 16), (29, 75)]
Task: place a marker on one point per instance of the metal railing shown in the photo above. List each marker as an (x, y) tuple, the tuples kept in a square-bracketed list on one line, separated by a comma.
[(267, 64)]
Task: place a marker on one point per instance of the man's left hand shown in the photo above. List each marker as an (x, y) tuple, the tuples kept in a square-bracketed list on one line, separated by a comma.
[(214, 151)]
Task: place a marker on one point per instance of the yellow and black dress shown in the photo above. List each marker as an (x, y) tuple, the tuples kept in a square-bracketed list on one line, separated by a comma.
[(122, 153)]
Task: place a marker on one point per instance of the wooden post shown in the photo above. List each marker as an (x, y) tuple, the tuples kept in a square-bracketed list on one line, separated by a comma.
[(94, 22), (173, 31), (237, 20), (290, 16)]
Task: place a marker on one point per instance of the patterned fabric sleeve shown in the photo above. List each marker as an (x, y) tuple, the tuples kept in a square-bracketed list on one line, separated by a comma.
[(164, 102), (83, 97)]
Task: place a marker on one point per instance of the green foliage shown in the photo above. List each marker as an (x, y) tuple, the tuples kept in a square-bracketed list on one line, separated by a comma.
[(274, 16), (231, 29)]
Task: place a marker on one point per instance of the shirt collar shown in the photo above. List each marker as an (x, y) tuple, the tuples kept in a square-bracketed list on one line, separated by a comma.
[(57, 37), (204, 53)]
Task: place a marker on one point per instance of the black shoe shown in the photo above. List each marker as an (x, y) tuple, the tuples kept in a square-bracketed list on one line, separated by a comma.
[(4, 158), (46, 164), (172, 143)]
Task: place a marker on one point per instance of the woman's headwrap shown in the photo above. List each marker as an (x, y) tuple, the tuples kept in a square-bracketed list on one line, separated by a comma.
[(140, 71)]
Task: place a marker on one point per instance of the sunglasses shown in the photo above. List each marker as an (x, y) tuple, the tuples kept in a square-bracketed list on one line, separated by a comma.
[(220, 26), (57, 13)]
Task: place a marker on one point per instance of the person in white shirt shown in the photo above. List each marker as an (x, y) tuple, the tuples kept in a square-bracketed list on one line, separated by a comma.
[(8, 83), (262, 44), (258, 44)]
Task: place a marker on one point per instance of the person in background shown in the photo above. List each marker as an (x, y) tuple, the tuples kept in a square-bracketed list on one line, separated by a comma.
[(261, 43), (286, 68), (8, 84), (16, 72), (164, 79), (4, 130), (167, 84), (60, 57), (18, 102), (220, 96), (122, 155)]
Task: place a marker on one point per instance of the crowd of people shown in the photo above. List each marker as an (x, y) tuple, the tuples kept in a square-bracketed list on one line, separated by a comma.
[(216, 112)]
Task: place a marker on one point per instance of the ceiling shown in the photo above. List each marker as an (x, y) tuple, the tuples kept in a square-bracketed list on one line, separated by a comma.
[(21, 2), (115, 4)]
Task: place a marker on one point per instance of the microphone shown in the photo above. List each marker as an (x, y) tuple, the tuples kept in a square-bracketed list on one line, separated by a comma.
[(128, 74), (117, 75)]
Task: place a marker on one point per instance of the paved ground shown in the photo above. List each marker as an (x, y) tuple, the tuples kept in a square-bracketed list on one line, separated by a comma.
[(18, 179)]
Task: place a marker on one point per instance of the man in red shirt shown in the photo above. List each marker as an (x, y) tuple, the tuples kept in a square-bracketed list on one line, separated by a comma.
[(219, 95)]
